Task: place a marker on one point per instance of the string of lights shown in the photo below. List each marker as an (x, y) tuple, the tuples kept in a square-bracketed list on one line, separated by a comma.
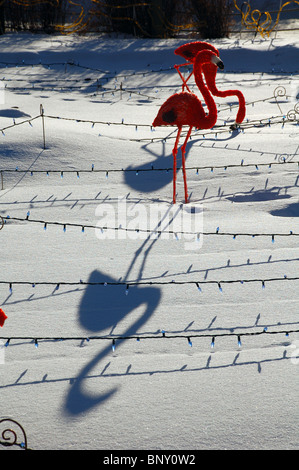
[(223, 129), (48, 65), (108, 75), (155, 231), (112, 75), (48, 80), (98, 89), (254, 76), (161, 335), (290, 118), (282, 160), (217, 129), (128, 284), (278, 119), (56, 86), (29, 121)]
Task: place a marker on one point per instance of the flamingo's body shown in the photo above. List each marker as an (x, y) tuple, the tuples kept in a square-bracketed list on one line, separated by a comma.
[(189, 51), (181, 109), (185, 109)]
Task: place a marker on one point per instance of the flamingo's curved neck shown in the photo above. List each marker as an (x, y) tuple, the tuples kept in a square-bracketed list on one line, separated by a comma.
[(211, 117), (209, 72)]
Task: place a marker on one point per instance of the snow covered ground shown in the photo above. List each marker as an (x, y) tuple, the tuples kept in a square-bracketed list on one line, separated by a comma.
[(159, 392)]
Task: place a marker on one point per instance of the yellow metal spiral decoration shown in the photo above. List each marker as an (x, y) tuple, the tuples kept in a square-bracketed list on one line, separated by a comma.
[(251, 19), (79, 23)]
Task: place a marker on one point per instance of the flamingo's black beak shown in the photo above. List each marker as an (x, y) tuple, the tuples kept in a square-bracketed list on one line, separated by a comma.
[(220, 64), (217, 61)]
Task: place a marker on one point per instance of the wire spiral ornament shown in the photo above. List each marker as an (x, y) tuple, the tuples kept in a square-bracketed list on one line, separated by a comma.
[(279, 91), (292, 114), (1, 222), (13, 435)]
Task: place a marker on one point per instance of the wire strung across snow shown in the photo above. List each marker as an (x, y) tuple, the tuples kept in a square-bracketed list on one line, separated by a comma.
[(282, 161), (149, 231), (161, 335), (110, 75), (256, 77), (253, 123), (15, 124), (283, 119), (99, 89), (128, 284), (218, 128)]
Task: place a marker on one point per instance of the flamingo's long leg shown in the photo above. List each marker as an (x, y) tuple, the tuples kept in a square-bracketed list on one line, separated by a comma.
[(174, 153), (185, 82), (183, 79), (183, 163)]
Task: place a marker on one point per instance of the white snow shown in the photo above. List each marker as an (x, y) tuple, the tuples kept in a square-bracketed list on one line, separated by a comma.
[(153, 393)]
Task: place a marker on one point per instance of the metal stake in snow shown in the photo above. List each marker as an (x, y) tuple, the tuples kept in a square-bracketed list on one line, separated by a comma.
[(43, 123)]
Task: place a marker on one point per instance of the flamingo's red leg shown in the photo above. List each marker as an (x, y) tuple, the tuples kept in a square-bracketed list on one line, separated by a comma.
[(187, 81), (174, 153), (183, 163), (183, 80)]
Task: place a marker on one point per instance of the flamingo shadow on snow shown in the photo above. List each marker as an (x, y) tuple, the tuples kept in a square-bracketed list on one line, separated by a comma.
[(103, 307), (140, 181)]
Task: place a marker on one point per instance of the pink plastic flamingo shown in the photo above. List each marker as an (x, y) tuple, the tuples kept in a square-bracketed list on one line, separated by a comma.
[(186, 109)]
